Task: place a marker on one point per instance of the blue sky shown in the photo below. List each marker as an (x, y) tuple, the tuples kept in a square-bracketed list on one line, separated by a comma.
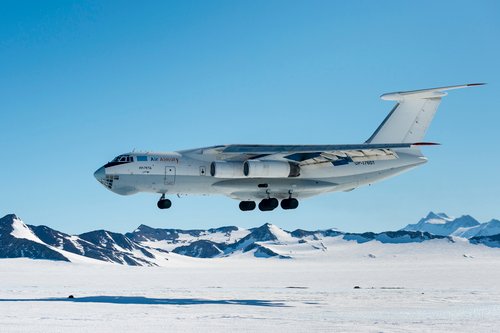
[(82, 82)]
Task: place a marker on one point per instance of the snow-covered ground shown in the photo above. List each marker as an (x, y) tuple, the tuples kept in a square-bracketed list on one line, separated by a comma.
[(437, 287)]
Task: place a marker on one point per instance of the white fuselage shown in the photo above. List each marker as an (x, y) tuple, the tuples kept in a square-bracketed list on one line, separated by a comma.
[(184, 173)]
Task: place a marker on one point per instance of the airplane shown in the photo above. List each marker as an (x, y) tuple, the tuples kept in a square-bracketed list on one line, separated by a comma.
[(275, 175)]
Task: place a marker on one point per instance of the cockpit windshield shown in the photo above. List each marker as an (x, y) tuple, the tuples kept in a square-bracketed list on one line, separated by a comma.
[(123, 158)]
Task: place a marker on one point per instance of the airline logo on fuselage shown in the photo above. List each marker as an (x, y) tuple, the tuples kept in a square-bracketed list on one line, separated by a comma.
[(164, 159)]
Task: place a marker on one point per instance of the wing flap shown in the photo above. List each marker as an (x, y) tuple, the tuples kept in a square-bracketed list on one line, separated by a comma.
[(353, 155)]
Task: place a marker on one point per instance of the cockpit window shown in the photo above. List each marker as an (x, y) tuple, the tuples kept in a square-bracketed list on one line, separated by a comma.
[(120, 159), (123, 158)]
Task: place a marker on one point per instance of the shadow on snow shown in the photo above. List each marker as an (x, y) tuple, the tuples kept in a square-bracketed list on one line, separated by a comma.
[(147, 300)]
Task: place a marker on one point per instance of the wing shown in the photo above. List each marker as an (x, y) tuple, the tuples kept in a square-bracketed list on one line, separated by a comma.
[(309, 154), (242, 188)]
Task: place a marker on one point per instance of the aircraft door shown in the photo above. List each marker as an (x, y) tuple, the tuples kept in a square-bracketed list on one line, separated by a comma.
[(169, 175)]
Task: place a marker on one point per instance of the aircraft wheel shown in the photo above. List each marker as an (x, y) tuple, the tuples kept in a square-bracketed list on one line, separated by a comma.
[(164, 203), (268, 204), (247, 205), (273, 202), (291, 203)]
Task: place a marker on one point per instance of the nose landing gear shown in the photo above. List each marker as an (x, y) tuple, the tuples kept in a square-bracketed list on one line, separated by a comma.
[(164, 203)]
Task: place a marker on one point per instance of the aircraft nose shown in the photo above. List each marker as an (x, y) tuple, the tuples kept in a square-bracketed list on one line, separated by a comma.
[(100, 174)]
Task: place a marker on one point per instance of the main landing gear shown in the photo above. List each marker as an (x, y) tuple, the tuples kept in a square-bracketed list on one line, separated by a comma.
[(290, 203), (270, 204), (247, 205), (164, 203)]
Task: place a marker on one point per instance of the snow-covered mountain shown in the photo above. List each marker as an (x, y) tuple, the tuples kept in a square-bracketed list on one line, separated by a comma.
[(256, 242), (269, 241), (491, 241), (17, 240), (41, 242), (441, 224), (169, 239), (464, 226), (484, 229), (148, 246)]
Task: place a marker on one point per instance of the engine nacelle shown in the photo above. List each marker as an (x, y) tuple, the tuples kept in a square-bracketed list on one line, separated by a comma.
[(270, 169), (223, 169)]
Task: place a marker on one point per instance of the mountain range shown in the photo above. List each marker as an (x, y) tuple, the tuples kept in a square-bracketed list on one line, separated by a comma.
[(147, 246), (465, 226)]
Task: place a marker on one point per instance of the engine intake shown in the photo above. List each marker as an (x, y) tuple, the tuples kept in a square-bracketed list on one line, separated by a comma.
[(270, 169), (222, 169)]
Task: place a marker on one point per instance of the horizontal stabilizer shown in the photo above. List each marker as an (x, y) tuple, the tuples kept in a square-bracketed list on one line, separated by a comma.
[(424, 93)]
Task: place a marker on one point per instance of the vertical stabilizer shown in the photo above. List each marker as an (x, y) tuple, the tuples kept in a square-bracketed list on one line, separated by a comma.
[(410, 118)]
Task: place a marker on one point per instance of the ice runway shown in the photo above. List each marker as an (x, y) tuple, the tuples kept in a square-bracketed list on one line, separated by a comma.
[(419, 292)]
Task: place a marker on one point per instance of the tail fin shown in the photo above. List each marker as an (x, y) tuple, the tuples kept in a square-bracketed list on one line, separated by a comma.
[(409, 119)]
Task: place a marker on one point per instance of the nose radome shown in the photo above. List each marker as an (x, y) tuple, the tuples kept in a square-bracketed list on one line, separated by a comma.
[(100, 174)]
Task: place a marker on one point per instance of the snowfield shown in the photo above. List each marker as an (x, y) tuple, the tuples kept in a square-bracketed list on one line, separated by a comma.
[(434, 286)]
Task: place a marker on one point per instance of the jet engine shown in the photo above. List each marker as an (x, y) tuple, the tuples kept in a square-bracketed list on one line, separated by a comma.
[(270, 169), (223, 169)]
